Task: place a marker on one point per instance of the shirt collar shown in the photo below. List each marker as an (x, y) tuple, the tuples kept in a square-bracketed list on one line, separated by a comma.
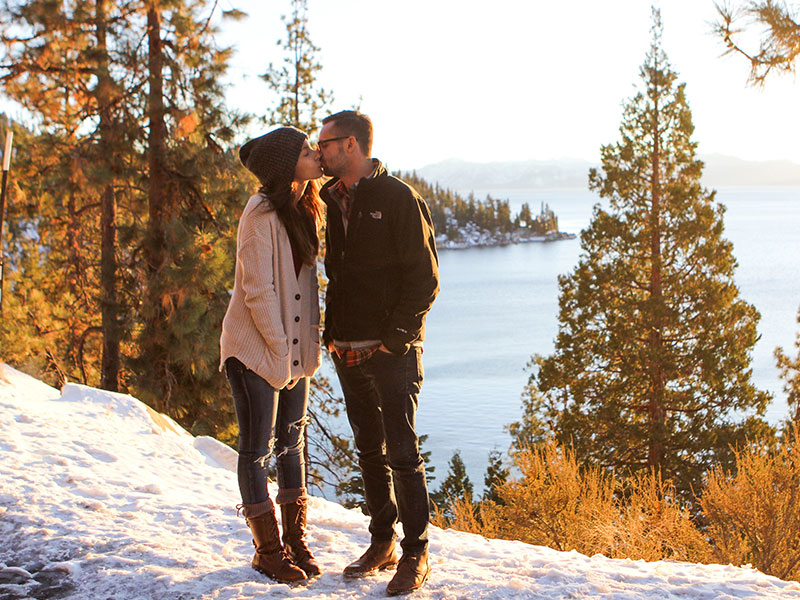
[(342, 190)]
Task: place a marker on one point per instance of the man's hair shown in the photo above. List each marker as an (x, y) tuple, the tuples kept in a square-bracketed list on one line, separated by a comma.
[(352, 122)]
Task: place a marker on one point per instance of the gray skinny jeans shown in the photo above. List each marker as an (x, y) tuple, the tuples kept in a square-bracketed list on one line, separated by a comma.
[(271, 423)]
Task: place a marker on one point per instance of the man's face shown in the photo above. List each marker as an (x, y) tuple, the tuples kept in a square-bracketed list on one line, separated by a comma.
[(331, 148)]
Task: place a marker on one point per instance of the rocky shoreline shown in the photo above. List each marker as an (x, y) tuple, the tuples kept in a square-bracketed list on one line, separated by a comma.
[(473, 236)]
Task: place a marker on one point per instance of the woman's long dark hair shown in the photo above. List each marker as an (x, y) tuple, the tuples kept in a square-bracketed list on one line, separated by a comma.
[(301, 219)]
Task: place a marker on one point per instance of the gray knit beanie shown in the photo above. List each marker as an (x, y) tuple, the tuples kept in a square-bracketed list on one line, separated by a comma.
[(273, 156)]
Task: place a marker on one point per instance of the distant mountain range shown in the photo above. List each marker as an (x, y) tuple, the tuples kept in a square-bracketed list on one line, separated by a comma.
[(719, 171)]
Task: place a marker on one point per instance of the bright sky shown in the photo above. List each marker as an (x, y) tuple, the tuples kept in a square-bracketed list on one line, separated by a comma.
[(514, 79)]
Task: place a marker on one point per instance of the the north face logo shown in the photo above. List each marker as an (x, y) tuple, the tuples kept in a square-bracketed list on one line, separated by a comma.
[(376, 215)]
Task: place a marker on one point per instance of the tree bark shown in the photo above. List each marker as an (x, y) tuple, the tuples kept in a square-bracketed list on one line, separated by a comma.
[(109, 307), (157, 138), (157, 195), (656, 409)]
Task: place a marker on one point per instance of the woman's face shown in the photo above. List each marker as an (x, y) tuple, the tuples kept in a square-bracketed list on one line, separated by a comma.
[(308, 166)]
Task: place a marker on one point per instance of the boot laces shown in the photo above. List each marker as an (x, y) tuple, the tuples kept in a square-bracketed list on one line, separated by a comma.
[(298, 543)]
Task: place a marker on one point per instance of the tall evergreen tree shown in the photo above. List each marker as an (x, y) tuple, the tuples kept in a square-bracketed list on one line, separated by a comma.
[(58, 62), (140, 126), (194, 191), (301, 101), (651, 368)]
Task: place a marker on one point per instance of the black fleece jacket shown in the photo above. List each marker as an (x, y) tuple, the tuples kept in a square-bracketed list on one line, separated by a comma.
[(383, 276)]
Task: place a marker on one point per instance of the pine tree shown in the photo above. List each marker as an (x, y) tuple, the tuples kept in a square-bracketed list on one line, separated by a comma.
[(651, 368), (525, 216), (778, 25), (194, 191), (504, 221), (496, 476), (43, 317), (456, 486), (301, 102), (790, 373), (57, 63), (125, 117)]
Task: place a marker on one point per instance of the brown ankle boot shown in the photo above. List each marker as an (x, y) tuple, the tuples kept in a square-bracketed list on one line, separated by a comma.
[(293, 518), (270, 558), (378, 557), (412, 571)]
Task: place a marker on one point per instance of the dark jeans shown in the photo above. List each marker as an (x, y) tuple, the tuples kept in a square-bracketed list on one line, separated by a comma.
[(381, 398), (267, 418)]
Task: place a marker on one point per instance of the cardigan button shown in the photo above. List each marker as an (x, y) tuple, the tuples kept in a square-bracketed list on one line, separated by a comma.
[(297, 319), (294, 341), (297, 296), (295, 363)]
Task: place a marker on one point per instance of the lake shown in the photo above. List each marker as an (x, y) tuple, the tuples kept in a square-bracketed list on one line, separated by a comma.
[(498, 306)]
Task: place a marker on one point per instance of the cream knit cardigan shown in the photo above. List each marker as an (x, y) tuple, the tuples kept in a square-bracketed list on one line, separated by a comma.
[(272, 323)]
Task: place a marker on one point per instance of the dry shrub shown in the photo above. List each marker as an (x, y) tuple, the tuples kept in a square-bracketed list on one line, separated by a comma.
[(753, 515), (465, 517), (654, 525), (555, 502)]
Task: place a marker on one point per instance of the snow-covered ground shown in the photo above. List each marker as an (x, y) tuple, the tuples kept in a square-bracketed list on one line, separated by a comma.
[(101, 498)]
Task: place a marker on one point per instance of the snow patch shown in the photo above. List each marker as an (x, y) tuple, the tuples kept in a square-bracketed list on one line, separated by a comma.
[(110, 501), (150, 488), (218, 453)]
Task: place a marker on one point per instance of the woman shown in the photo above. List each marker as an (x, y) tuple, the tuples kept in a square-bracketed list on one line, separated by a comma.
[(270, 344)]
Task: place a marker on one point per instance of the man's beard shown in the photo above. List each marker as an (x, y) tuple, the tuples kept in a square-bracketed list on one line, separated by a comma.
[(326, 170)]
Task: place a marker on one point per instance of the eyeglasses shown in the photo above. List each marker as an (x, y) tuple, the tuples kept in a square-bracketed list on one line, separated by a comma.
[(321, 143)]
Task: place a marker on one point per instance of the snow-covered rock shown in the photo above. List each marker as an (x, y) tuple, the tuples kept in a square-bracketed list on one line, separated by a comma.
[(100, 497), (471, 235)]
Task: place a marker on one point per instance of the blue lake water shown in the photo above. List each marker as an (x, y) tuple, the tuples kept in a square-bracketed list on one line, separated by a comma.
[(498, 306)]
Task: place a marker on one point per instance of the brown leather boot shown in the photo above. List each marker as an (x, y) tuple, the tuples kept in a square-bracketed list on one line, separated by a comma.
[(412, 571), (293, 519), (379, 556), (270, 558)]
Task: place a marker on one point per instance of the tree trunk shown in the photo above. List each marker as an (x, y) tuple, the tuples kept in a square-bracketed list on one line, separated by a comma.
[(73, 247), (656, 409), (296, 103), (109, 309), (73, 273), (157, 139), (108, 280), (158, 198)]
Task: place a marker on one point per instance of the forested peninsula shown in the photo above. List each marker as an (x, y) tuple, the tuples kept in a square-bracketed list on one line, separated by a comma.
[(468, 222)]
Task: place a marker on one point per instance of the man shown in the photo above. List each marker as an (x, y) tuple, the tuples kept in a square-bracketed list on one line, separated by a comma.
[(383, 277)]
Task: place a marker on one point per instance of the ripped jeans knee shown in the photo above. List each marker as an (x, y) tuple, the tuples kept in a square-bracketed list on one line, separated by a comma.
[(290, 461), (292, 434)]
